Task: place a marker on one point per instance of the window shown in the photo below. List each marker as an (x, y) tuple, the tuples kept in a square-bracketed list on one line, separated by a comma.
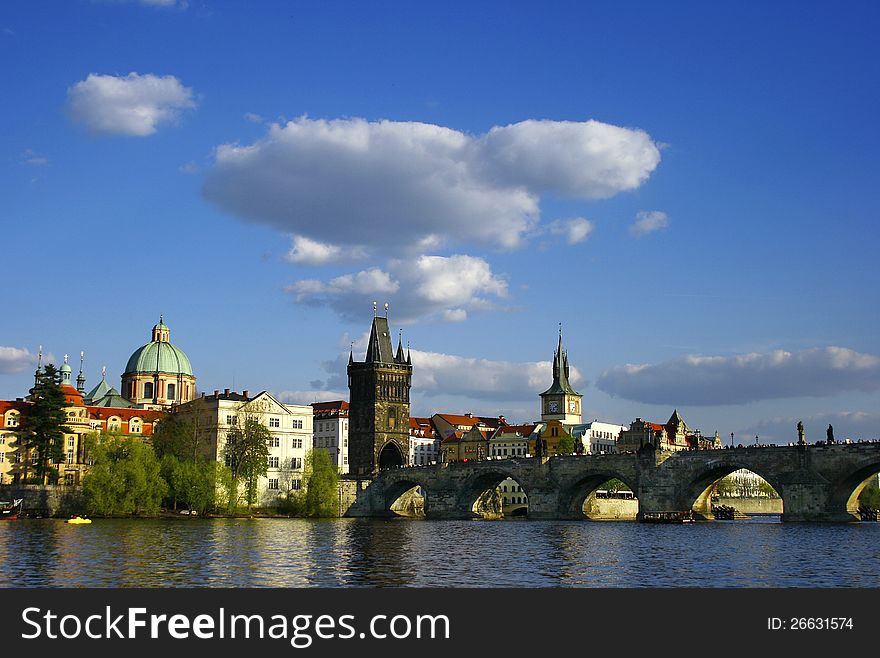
[(274, 422), (297, 424), (297, 443), (295, 484), (230, 420), (12, 420), (171, 391), (148, 389), (68, 478), (274, 442), (70, 441), (113, 424), (296, 462), (134, 426), (273, 483), (345, 459), (2, 439), (273, 462), (2, 457), (70, 456)]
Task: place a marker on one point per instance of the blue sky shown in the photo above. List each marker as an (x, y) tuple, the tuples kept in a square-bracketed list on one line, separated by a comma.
[(689, 188)]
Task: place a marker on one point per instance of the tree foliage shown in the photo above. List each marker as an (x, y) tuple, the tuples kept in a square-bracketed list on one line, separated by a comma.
[(124, 479), (565, 445), (320, 498), (870, 496), (190, 483), (176, 435), (247, 454), (43, 424)]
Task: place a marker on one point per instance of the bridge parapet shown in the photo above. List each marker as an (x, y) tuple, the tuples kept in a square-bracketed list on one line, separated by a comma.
[(816, 483)]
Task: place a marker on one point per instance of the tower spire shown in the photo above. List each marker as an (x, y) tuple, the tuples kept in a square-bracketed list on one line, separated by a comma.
[(81, 378)]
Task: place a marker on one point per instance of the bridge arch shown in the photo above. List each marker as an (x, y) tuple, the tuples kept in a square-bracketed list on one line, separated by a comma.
[(697, 492), (845, 491), (477, 494), (574, 496), (404, 496)]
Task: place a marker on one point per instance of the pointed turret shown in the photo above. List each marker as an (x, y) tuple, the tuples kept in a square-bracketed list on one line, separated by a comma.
[(560, 370), (81, 378), (379, 348), (399, 357)]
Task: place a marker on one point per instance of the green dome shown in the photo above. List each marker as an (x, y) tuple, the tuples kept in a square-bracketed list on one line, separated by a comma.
[(161, 357)]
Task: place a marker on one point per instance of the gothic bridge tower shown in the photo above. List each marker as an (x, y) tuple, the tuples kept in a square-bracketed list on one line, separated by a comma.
[(378, 430)]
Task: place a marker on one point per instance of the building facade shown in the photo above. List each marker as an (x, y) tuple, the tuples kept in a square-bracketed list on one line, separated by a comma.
[(290, 427), (331, 431), (424, 442), (379, 404)]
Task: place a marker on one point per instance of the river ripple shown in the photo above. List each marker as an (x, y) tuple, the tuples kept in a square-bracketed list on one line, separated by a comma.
[(411, 553)]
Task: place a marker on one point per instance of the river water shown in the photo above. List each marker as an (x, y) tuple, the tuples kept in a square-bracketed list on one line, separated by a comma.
[(190, 552)]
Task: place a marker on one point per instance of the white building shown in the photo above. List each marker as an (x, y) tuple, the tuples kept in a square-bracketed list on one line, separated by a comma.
[(290, 427), (331, 431), (598, 438), (424, 442)]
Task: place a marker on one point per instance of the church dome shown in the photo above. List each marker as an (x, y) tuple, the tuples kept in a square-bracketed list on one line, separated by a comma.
[(159, 355)]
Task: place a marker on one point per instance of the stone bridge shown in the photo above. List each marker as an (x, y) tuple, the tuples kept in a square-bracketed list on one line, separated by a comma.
[(816, 483)]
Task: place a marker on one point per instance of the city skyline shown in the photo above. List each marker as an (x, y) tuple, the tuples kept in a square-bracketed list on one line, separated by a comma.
[(686, 189)]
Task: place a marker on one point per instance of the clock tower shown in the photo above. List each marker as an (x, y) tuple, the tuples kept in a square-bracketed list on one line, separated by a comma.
[(560, 401)]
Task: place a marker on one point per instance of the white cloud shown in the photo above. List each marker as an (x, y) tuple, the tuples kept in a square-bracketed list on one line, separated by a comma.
[(438, 375), (304, 251), (308, 397), (127, 105), (648, 222), (590, 159), (189, 168), (441, 287), (253, 117), (435, 373), (34, 159), (389, 183), (716, 380), (180, 4), (15, 359), (575, 230)]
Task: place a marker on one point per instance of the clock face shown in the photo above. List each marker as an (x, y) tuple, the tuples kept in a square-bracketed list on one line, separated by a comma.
[(553, 407), (573, 406)]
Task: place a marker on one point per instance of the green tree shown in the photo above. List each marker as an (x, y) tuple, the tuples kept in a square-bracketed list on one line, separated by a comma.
[(870, 497), (320, 497), (192, 483), (614, 485), (177, 435), (565, 445), (43, 425), (125, 477), (247, 454)]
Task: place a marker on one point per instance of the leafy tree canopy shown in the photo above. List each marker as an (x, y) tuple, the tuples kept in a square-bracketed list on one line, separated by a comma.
[(43, 423), (125, 478)]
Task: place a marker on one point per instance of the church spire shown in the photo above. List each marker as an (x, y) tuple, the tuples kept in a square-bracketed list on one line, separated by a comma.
[(399, 357), (81, 378)]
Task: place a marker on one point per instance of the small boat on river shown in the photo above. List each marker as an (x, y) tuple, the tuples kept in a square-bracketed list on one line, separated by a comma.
[(78, 520), (668, 517), (9, 510)]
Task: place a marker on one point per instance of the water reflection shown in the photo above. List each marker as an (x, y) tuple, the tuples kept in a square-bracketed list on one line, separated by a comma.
[(406, 553)]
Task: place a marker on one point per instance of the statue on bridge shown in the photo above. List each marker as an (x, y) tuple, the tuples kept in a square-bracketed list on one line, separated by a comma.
[(829, 434), (800, 428)]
